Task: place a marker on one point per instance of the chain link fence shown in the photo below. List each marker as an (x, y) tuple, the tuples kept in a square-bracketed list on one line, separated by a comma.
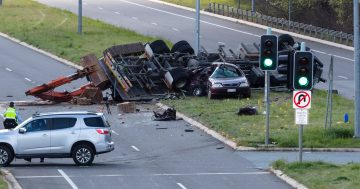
[(281, 23)]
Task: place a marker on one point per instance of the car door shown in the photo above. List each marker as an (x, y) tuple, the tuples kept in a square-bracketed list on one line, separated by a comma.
[(63, 134), (36, 138)]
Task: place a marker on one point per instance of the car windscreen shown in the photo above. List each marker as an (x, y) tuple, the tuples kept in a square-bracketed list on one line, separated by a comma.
[(226, 72), (95, 122)]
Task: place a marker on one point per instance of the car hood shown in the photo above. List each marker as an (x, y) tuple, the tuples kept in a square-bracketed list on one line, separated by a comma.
[(230, 80), (5, 131)]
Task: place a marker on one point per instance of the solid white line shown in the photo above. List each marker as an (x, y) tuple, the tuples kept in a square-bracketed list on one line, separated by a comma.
[(72, 184), (31, 177), (136, 149), (116, 12), (114, 132), (155, 24), (343, 77), (216, 25), (175, 29), (8, 69), (181, 185), (100, 8), (27, 79)]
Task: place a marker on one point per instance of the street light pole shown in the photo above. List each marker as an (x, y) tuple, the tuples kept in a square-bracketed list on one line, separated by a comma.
[(357, 69), (80, 17), (253, 6), (289, 14), (197, 27)]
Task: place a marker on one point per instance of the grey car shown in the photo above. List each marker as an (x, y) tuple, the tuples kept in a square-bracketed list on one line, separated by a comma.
[(77, 135)]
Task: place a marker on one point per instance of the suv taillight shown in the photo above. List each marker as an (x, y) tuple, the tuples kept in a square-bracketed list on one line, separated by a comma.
[(102, 131)]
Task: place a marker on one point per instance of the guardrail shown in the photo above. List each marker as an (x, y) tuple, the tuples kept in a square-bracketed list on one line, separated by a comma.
[(281, 23)]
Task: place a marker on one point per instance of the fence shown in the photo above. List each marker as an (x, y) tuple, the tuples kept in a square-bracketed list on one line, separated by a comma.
[(281, 23)]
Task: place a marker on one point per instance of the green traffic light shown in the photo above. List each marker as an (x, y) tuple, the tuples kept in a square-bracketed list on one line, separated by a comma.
[(268, 62), (303, 81)]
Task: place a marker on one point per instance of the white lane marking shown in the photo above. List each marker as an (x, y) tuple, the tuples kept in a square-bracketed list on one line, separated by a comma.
[(27, 79), (116, 12), (8, 69), (321, 52), (114, 132), (100, 8), (175, 29), (155, 24), (135, 148), (181, 185), (343, 77), (190, 18), (31, 177), (135, 18), (216, 25), (66, 177), (189, 174)]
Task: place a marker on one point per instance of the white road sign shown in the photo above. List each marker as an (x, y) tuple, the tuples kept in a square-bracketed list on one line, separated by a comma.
[(301, 116), (302, 99)]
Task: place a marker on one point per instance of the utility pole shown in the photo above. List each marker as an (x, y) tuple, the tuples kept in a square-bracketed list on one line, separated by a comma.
[(238, 4), (357, 69), (253, 6), (80, 17), (289, 14), (197, 27)]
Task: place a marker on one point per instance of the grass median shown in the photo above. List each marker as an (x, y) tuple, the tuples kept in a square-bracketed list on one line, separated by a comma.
[(244, 4), (220, 115), (320, 175), (55, 30)]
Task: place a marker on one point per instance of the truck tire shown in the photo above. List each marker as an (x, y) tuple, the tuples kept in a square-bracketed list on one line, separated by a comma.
[(285, 39), (6, 155), (83, 155), (180, 78), (159, 47), (182, 47)]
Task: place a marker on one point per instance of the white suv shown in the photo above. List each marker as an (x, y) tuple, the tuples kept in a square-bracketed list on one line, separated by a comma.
[(77, 135)]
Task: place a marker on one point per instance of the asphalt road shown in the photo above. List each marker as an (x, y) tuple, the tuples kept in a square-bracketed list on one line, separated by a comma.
[(22, 68), (147, 154), (154, 19)]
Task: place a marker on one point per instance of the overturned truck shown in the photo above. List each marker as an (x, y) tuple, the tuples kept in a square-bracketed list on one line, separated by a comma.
[(139, 71)]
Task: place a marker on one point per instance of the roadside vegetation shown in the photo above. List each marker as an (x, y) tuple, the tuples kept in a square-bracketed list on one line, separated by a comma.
[(320, 175), (220, 115), (3, 184), (55, 30)]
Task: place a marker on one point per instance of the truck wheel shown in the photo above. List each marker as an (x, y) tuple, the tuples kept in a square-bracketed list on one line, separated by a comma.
[(180, 78), (159, 47), (83, 155), (197, 91), (182, 47), (6, 156), (285, 39)]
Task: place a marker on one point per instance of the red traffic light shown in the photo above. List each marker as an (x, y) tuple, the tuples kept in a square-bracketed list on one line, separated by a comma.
[(303, 60), (268, 43)]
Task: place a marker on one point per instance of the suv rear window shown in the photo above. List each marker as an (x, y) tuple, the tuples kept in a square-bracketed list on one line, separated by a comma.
[(94, 122), (62, 123)]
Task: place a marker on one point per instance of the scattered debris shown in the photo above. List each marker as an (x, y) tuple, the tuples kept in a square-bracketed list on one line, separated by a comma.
[(222, 147), (189, 130), (126, 107), (159, 128), (248, 110), (167, 115)]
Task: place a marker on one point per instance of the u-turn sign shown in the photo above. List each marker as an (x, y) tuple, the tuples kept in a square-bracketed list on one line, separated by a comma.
[(302, 99)]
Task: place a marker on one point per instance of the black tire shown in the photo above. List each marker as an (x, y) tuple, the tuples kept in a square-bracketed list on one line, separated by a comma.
[(180, 78), (83, 155), (159, 47), (198, 91), (6, 156), (182, 47), (247, 94), (285, 39)]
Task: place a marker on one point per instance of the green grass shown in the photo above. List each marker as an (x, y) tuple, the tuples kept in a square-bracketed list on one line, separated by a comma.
[(245, 4), (320, 175), (3, 184), (55, 30), (221, 116)]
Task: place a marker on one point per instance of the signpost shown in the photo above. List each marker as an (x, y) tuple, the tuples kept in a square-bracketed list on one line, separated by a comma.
[(301, 104)]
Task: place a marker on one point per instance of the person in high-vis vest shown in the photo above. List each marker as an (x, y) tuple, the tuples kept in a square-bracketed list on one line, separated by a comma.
[(11, 116)]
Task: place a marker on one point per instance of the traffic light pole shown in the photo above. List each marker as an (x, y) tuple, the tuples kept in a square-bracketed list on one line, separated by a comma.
[(197, 28), (267, 99), (80, 17)]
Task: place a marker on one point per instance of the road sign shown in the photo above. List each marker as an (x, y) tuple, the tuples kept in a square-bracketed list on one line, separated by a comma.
[(301, 116), (302, 99)]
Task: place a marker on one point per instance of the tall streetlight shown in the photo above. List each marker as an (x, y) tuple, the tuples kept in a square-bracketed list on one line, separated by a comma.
[(357, 69), (253, 6), (197, 27), (80, 17), (289, 3)]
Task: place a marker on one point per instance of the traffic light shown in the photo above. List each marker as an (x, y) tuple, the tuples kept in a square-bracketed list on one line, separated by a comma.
[(269, 52), (303, 70)]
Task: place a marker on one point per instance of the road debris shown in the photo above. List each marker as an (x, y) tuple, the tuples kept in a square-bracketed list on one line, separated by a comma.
[(167, 115)]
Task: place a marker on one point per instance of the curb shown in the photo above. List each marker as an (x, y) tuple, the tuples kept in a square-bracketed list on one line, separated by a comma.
[(234, 146), (10, 179), (293, 183), (259, 26), (61, 60)]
